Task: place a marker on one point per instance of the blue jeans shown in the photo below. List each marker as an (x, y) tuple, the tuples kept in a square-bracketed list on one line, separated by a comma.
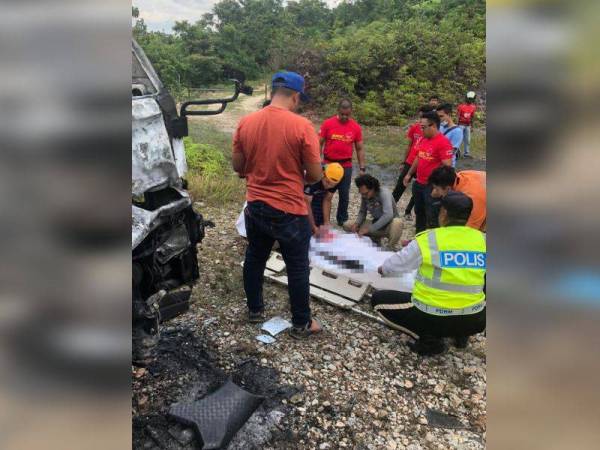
[(343, 189), (426, 208), (264, 226), (466, 129)]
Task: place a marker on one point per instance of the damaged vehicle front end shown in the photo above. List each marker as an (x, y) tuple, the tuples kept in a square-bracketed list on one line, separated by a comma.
[(165, 228)]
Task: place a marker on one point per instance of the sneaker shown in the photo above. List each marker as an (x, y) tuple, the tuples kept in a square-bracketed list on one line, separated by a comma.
[(428, 346), (467, 157), (307, 330), (256, 317), (461, 341)]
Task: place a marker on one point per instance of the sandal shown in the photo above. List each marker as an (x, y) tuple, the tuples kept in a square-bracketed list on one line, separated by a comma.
[(305, 331)]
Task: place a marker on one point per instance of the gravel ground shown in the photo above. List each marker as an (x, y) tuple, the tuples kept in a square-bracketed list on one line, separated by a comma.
[(355, 386)]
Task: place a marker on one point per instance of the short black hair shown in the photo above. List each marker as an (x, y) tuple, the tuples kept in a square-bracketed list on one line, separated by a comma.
[(443, 176), (432, 117), (425, 108), (446, 107), (458, 206), (345, 103), (434, 97), (367, 180), (286, 92)]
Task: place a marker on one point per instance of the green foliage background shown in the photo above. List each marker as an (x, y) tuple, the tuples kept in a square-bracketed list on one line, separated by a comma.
[(388, 56)]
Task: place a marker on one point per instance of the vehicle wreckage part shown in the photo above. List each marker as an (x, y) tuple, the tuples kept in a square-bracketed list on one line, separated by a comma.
[(174, 303), (275, 262), (218, 416), (327, 297), (442, 420), (338, 284)]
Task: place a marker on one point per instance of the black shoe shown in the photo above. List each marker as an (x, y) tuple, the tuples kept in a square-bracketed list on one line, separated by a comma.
[(428, 346), (461, 341), (467, 157), (256, 317)]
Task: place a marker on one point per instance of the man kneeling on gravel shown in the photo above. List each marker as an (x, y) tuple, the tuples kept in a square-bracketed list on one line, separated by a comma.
[(378, 202), (448, 299)]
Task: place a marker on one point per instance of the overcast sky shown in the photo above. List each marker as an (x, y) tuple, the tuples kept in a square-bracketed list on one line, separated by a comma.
[(161, 15)]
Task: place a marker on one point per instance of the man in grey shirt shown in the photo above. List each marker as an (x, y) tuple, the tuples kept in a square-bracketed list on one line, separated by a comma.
[(380, 204)]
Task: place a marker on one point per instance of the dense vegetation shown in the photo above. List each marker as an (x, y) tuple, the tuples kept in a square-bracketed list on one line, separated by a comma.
[(387, 55)]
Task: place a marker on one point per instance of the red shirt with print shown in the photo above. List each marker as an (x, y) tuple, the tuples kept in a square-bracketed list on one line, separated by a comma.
[(431, 153), (339, 139), (466, 111), (414, 134)]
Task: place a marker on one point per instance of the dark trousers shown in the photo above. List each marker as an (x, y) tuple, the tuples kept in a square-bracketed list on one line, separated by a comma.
[(410, 206), (264, 226), (396, 307), (343, 188), (399, 189), (426, 207)]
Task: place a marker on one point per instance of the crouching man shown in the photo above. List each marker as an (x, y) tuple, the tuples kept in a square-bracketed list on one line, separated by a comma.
[(380, 204), (448, 299), (318, 196)]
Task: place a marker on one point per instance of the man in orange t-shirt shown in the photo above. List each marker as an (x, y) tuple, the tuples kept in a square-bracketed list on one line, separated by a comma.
[(469, 182), (277, 151)]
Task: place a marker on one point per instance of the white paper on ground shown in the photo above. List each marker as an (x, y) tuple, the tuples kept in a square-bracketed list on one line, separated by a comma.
[(276, 325), (240, 224), (265, 338), (361, 250)]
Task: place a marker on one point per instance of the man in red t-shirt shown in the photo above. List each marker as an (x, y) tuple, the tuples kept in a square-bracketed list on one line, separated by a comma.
[(466, 115), (413, 135), (433, 150), (340, 135)]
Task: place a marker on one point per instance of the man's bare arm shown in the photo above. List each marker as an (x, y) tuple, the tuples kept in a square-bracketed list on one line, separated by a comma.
[(314, 172), (322, 146), (447, 162), (327, 208), (238, 161), (411, 171), (311, 219), (360, 153)]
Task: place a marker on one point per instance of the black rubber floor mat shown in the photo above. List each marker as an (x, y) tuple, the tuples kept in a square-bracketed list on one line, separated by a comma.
[(218, 416), (442, 420)]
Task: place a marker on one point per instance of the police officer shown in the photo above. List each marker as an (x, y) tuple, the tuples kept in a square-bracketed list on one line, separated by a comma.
[(448, 298)]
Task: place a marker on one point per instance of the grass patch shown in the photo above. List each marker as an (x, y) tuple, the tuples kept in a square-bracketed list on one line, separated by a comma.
[(210, 176), (216, 190), (206, 133), (385, 146)]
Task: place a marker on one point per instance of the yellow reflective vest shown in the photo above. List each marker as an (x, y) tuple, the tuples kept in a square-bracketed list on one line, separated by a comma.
[(451, 277)]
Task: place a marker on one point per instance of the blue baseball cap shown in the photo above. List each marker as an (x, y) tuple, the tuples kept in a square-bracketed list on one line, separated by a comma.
[(290, 80)]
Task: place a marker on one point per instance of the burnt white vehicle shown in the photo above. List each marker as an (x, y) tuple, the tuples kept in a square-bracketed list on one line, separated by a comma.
[(165, 228)]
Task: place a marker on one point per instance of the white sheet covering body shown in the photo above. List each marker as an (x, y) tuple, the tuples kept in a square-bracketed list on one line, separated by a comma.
[(358, 258)]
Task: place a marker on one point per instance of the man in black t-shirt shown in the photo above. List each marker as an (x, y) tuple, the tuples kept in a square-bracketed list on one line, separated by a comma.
[(318, 196)]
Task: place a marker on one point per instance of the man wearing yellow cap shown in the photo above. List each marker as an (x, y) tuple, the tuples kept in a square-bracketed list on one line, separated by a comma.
[(318, 196)]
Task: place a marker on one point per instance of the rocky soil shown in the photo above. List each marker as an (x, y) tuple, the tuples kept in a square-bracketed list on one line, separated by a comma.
[(357, 385)]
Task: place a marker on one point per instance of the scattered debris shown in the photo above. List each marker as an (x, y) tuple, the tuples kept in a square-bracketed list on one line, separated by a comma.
[(276, 325), (265, 339), (218, 416)]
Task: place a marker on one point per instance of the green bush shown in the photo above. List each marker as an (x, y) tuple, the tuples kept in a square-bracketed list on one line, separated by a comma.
[(204, 158)]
